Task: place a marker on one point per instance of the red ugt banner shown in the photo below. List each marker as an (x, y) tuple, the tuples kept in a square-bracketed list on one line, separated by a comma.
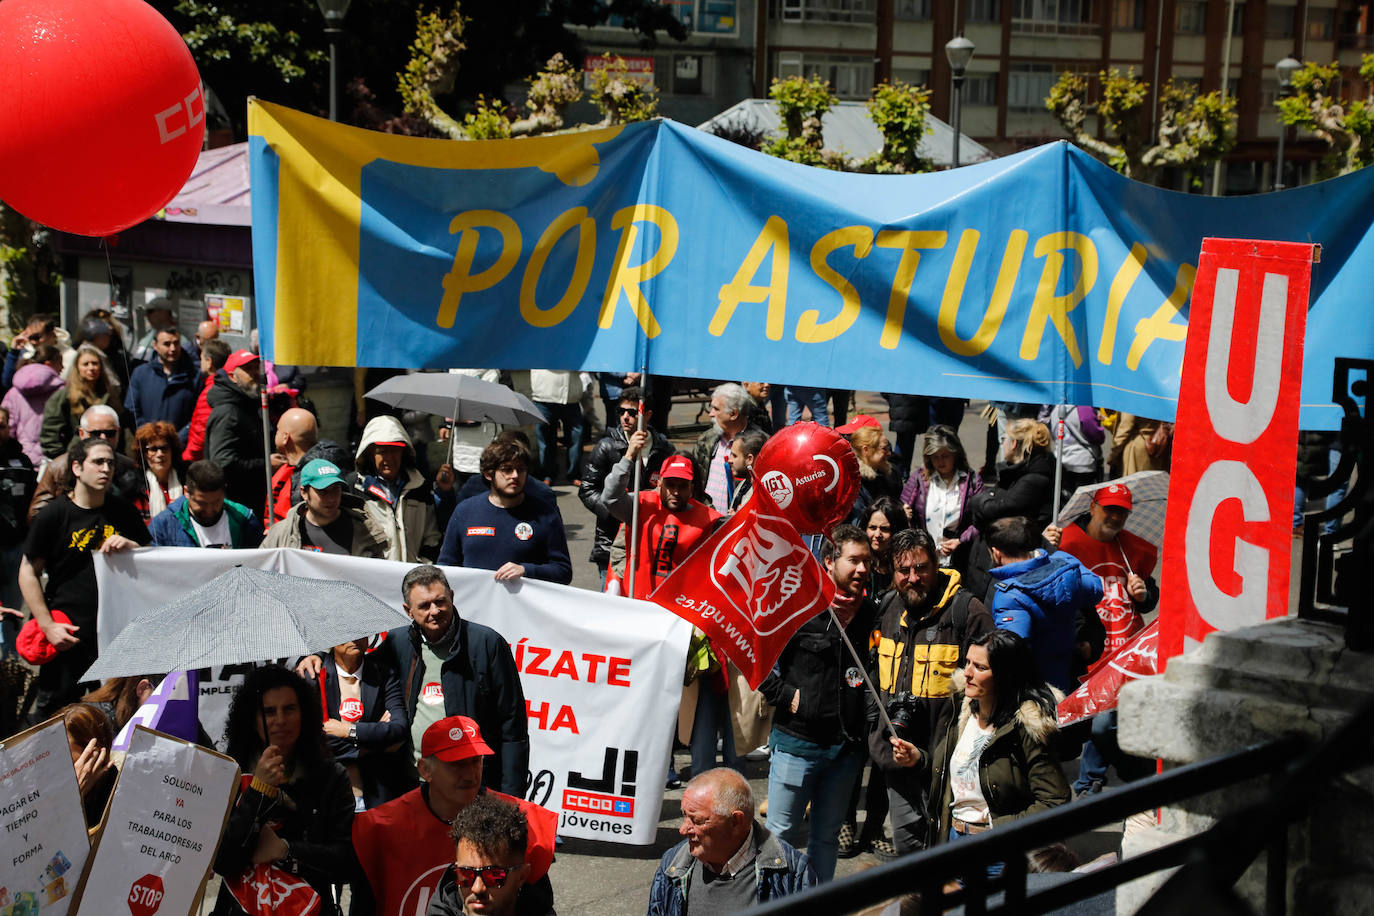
[(749, 586), (1227, 535)]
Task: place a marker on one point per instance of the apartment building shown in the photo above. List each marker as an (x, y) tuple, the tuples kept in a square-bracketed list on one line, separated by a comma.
[(1021, 47)]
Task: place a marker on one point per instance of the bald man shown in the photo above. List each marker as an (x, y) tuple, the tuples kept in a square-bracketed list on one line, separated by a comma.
[(728, 861), (206, 330), (297, 433)]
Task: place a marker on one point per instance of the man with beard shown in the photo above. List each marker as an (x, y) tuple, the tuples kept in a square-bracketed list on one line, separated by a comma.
[(924, 628), (233, 434), (820, 703), (731, 414), (1126, 564)]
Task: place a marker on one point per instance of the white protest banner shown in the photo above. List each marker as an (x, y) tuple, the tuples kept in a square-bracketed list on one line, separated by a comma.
[(43, 844), (602, 676), (161, 830)]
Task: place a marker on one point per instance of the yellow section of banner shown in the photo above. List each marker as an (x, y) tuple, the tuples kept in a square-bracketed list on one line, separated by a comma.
[(319, 209)]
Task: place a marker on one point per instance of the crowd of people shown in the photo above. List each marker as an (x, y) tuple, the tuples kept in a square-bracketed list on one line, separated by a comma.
[(971, 610)]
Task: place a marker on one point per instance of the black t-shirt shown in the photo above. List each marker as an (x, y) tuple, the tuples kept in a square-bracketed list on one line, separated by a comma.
[(63, 535), (335, 538)]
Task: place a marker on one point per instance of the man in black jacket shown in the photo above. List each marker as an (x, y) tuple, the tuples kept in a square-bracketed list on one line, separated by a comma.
[(233, 434), (604, 457), (820, 723)]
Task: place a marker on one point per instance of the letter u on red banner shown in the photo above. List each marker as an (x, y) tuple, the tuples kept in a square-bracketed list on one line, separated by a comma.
[(1227, 540)]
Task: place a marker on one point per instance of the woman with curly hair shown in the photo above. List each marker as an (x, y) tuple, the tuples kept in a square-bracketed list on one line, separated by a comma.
[(295, 808), (90, 381), (938, 495), (157, 451)]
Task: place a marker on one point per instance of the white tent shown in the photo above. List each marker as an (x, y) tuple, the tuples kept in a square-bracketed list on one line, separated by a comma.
[(847, 129)]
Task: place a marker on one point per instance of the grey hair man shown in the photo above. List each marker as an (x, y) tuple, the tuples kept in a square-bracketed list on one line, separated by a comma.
[(727, 862), (731, 414)]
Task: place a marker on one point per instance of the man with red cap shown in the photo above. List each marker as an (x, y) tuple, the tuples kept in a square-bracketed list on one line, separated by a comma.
[(1126, 564), (404, 846), (233, 434), (671, 522)]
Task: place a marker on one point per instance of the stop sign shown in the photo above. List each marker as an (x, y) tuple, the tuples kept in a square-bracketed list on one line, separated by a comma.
[(145, 896)]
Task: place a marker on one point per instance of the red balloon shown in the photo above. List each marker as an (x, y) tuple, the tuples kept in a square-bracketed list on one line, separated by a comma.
[(101, 112), (812, 474)]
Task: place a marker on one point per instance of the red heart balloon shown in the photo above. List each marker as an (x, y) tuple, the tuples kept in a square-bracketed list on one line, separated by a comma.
[(102, 116)]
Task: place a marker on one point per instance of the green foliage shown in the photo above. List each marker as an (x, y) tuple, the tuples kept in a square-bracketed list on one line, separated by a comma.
[(433, 67), (801, 104), (216, 34), (1192, 129), (551, 91), (29, 269), (487, 120), (1314, 104), (899, 111), (621, 99)]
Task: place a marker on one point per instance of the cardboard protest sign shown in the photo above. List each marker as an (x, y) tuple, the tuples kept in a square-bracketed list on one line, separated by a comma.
[(43, 844), (161, 830)]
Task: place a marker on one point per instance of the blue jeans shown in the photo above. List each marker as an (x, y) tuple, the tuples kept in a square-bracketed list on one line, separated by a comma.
[(712, 721), (815, 398), (994, 869), (823, 778), (569, 416)]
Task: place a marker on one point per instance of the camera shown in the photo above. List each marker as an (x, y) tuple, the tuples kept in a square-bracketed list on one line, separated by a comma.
[(903, 709)]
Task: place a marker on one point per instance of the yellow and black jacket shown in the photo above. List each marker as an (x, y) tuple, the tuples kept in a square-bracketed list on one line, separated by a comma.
[(919, 655)]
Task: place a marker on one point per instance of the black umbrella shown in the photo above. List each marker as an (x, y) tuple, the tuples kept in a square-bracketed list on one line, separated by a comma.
[(461, 397)]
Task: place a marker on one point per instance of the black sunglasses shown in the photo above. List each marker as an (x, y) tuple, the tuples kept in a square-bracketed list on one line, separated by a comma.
[(103, 433), (493, 876)]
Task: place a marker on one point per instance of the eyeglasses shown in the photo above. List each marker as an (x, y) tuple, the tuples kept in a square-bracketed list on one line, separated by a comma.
[(103, 433), (493, 876), (629, 411), (157, 447)]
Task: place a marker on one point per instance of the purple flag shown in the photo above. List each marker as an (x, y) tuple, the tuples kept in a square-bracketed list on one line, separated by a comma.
[(171, 708)]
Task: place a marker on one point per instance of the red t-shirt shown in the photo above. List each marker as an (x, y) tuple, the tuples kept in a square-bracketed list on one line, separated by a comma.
[(1109, 560), (404, 849)]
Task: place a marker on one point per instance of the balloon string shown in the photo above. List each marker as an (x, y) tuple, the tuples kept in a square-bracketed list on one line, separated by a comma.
[(123, 350)]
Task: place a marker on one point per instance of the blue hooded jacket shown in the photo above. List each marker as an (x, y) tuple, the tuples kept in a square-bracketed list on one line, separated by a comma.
[(1039, 600)]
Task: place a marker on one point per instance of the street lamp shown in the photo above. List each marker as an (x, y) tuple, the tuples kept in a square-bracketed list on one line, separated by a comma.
[(958, 50), (1285, 69), (334, 12)]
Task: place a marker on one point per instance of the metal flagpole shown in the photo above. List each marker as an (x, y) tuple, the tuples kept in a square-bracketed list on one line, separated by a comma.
[(873, 691), (631, 536), (1059, 462)]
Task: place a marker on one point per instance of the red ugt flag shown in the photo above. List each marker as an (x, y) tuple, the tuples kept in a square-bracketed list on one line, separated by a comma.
[(749, 586)]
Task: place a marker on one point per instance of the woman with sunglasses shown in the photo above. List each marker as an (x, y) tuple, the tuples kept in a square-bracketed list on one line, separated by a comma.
[(158, 454), (295, 806)]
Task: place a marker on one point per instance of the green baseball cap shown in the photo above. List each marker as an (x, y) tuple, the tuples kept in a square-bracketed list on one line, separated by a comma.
[(320, 474)]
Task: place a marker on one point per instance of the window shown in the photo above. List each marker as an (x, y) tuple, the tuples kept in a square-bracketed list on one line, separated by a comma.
[(1128, 15), (981, 89), (911, 76), (1028, 85), (983, 11), (856, 11), (850, 77), (1321, 24), (1278, 21), (911, 9), (1053, 17), (1191, 17)]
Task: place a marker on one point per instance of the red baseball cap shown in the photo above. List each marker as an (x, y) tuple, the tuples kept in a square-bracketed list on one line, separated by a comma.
[(238, 359), (32, 643), (858, 423), (452, 739), (396, 442), (678, 467), (1114, 494)]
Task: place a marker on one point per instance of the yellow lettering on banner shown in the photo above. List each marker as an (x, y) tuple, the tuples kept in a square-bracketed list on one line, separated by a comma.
[(1116, 298), (582, 268), (809, 328), (461, 279), (627, 278), (771, 238), (911, 243), (1160, 325), (1055, 309), (997, 305)]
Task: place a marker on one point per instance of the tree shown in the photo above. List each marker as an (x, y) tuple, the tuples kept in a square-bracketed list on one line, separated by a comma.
[(802, 102), (28, 269), (899, 111), (1347, 127), (1192, 129)]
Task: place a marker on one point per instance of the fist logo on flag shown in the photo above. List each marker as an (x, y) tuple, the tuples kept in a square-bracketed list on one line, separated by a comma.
[(749, 587)]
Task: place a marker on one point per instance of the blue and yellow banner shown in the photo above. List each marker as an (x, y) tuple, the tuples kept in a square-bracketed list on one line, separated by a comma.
[(1041, 277)]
